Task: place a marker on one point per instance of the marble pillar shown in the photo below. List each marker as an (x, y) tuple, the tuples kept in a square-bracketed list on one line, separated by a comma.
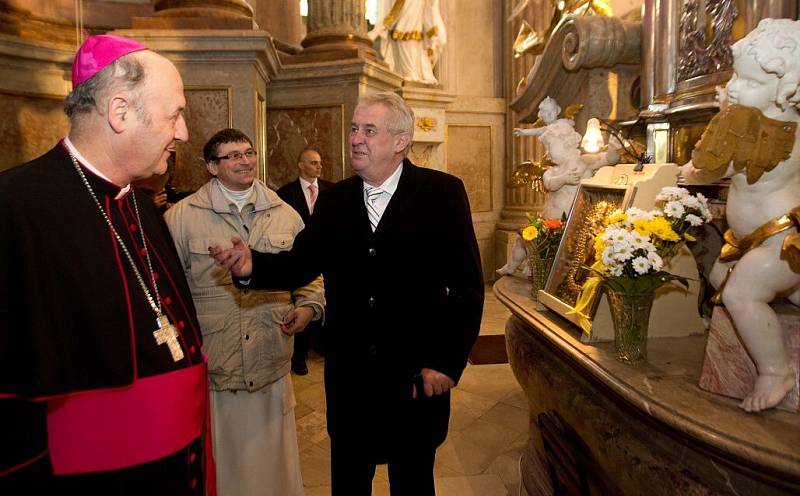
[(225, 75), (310, 105), (281, 19), (37, 42), (198, 14), (518, 199), (226, 64), (335, 25)]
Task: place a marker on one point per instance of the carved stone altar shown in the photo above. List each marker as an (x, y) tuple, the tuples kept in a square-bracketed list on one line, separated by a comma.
[(602, 427)]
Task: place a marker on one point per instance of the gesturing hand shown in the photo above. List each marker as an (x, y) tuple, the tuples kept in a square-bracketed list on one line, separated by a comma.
[(237, 258)]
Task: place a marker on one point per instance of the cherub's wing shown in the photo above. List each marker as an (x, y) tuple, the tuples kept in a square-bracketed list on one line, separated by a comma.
[(571, 111)]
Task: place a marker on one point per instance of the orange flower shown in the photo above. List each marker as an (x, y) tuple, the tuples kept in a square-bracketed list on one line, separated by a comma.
[(552, 224)]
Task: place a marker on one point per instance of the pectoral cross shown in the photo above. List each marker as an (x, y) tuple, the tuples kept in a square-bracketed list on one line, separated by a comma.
[(166, 333)]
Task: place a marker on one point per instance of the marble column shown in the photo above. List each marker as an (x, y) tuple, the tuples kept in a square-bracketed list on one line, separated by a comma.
[(281, 19), (198, 14), (337, 25), (519, 199)]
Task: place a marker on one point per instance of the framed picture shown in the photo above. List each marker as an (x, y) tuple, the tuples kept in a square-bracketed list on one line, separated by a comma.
[(593, 203)]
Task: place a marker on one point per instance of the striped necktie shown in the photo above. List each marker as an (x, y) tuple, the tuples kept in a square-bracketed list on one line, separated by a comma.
[(372, 196)]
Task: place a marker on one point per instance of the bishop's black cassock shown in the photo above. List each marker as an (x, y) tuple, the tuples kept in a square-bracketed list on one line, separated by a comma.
[(85, 390)]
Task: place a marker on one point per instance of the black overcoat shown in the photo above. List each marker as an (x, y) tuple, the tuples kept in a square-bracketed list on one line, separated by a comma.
[(408, 296)]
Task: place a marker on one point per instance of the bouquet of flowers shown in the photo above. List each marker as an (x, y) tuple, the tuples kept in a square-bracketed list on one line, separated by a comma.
[(541, 238), (543, 235), (635, 245)]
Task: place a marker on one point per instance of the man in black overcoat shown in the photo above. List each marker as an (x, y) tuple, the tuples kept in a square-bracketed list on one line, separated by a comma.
[(396, 246), (302, 194)]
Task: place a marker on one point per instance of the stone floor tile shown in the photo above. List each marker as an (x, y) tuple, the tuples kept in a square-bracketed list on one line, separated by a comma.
[(463, 456), (311, 430), (490, 381), (495, 314), (478, 485), (506, 466), (491, 438), (516, 398), (513, 489), (381, 473), (318, 490), (380, 487), (511, 417), (466, 408), (315, 466), (313, 396)]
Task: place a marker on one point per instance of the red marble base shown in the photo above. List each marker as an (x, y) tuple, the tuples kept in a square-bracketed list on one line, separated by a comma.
[(728, 369)]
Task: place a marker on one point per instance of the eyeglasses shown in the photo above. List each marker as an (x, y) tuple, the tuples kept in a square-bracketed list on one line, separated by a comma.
[(238, 155)]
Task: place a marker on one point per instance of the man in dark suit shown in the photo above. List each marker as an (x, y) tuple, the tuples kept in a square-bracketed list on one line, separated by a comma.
[(302, 195), (404, 287)]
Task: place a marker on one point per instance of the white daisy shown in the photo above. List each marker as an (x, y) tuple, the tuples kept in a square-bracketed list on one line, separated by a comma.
[(670, 193), (674, 209), (640, 241), (691, 202), (655, 260), (641, 265), (608, 257), (622, 251), (694, 220)]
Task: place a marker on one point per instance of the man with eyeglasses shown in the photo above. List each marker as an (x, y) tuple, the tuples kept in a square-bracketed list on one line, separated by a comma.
[(247, 335)]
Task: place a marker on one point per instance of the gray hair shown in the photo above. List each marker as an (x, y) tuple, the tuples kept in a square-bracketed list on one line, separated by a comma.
[(126, 73), (401, 117)]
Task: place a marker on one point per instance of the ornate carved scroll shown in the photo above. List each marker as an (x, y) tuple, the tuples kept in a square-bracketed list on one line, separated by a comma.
[(702, 52)]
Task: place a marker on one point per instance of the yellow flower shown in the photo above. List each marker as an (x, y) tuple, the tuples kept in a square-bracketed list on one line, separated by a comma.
[(599, 245), (662, 228), (642, 227), (688, 237), (530, 233), (617, 217)]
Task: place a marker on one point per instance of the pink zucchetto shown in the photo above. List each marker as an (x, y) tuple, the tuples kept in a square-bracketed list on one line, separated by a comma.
[(99, 51)]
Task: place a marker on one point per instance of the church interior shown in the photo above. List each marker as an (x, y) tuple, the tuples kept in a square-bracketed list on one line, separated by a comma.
[(553, 406)]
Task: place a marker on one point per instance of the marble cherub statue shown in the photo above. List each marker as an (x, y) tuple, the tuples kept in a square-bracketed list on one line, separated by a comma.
[(569, 166), (562, 178), (753, 142)]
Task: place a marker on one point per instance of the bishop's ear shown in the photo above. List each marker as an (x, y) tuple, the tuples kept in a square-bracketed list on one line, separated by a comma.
[(119, 113)]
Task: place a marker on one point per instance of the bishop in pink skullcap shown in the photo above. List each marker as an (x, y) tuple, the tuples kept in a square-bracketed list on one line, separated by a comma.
[(99, 51)]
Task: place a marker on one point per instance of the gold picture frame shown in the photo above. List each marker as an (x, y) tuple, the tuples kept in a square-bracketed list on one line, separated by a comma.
[(592, 204)]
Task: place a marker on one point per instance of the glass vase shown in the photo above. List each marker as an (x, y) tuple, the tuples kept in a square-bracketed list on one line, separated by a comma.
[(540, 268), (630, 314)]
